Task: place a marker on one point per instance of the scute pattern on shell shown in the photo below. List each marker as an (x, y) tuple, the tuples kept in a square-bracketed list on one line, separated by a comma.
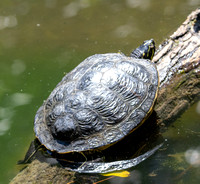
[(105, 97)]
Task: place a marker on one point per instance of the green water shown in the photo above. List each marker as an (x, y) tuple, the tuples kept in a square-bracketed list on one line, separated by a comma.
[(40, 41)]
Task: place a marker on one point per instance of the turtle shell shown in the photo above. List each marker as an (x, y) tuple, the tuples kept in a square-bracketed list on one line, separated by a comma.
[(102, 100)]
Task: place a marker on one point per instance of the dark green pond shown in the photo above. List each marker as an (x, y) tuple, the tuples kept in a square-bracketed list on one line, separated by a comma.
[(42, 40)]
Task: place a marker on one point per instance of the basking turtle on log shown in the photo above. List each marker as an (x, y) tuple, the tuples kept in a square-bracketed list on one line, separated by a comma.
[(96, 105), (178, 64), (105, 98)]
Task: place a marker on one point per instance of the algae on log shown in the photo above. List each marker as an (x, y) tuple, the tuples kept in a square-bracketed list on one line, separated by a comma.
[(178, 63)]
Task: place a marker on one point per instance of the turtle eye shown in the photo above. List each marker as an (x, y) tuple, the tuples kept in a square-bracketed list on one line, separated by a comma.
[(152, 46)]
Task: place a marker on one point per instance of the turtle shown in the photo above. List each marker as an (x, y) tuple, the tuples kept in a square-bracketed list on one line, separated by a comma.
[(101, 101)]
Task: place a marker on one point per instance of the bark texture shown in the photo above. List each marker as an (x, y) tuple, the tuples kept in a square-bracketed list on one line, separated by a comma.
[(178, 64)]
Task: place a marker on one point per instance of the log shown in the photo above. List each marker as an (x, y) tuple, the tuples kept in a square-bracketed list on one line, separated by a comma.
[(178, 64), (178, 60)]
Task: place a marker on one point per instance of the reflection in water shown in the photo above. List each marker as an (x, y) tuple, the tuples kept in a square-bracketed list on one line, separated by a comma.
[(4, 126), (192, 156), (7, 113), (106, 167), (8, 21), (73, 8), (19, 99), (18, 67)]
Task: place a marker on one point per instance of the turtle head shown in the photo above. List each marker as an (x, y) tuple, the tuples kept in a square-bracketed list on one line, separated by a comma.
[(144, 51)]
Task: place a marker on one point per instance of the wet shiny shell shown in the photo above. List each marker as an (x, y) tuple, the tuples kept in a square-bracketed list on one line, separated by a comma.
[(102, 100)]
